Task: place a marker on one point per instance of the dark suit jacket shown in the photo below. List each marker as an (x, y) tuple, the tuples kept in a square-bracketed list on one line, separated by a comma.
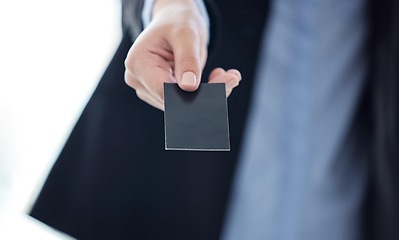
[(114, 180)]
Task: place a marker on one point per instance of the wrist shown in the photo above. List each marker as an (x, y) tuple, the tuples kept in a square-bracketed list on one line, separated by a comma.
[(174, 6), (186, 12)]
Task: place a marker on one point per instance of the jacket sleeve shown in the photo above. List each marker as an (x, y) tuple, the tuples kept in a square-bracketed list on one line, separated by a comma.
[(131, 17)]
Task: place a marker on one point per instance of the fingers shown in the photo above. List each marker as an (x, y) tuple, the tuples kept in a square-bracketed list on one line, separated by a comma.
[(146, 69), (216, 72), (171, 49), (187, 49), (231, 78), (153, 74), (235, 72), (142, 92)]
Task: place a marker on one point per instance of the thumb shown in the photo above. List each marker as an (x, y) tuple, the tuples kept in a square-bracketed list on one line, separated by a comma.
[(186, 50)]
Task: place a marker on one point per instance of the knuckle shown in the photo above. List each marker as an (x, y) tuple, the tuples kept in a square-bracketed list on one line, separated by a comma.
[(235, 81), (129, 80), (140, 94), (132, 56), (127, 61), (130, 63), (188, 59), (184, 31), (236, 73), (233, 78)]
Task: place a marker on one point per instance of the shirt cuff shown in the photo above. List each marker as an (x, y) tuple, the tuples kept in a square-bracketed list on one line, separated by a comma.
[(146, 14)]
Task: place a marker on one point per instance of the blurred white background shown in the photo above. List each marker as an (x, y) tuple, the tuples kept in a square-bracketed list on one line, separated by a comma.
[(52, 55)]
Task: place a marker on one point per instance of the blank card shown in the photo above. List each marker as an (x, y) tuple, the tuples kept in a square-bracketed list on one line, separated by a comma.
[(196, 120)]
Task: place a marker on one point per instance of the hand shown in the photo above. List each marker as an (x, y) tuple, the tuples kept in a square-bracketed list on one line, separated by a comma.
[(172, 49)]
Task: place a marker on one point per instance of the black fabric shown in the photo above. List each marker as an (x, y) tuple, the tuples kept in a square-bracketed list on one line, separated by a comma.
[(113, 180), (384, 109), (131, 17)]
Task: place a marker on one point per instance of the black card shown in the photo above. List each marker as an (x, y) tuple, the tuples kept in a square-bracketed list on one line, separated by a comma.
[(196, 120)]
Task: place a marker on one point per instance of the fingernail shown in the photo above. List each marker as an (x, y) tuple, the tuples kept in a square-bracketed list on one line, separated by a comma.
[(188, 79)]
